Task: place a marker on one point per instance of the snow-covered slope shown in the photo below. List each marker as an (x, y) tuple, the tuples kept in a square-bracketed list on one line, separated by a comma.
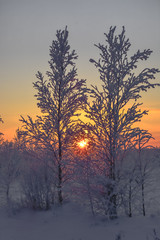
[(72, 223)]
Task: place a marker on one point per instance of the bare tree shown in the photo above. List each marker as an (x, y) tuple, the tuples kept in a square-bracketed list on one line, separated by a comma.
[(9, 162), (115, 108), (59, 98), (144, 164), (128, 186)]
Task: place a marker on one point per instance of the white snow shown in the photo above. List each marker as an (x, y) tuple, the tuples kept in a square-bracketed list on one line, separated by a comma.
[(71, 222)]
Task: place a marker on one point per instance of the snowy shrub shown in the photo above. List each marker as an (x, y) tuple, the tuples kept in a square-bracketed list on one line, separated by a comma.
[(9, 168), (38, 189)]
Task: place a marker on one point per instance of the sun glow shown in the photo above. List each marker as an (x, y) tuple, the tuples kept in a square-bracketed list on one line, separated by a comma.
[(83, 143)]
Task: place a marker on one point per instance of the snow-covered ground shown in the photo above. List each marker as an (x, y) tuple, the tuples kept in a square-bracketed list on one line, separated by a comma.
[(72, 223)]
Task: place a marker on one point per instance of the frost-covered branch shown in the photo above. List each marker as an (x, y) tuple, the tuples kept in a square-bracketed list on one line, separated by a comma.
[(115, 109), (59, 98)]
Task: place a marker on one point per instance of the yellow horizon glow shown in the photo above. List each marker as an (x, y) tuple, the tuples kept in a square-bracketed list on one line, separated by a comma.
[(150, 122)]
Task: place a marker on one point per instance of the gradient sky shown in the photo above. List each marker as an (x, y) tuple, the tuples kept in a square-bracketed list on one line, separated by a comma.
[(27, 28)]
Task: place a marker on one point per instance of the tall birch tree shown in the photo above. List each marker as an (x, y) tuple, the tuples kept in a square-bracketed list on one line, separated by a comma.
[(59, 98), (116, 108)]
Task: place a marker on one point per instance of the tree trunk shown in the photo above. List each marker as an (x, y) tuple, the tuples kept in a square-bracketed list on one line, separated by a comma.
[(112, 204), (143, 202), (113, 207), (60, 197), (130, 201), (7, 192), (113, 196), (89, 193)]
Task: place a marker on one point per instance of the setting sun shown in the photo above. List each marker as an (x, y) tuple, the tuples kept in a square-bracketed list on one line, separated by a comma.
[(83, 143)]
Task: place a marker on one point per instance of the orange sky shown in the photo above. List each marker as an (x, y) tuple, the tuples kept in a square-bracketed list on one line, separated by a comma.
[(150, 122), (28, 29)]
